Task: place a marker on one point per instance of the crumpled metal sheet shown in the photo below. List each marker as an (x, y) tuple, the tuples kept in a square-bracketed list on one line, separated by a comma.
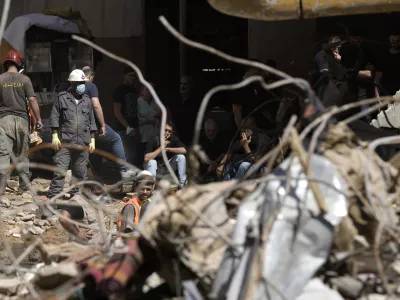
[(351, 157), (283, 261), (294, 9), (316, 290), (174, 227)]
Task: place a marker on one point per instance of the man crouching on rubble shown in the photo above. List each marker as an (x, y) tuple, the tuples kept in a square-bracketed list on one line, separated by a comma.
[(81, 211), (72, 120), (136, 205)]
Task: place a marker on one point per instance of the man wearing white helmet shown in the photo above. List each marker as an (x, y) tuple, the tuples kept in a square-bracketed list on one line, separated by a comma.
[(72, 122)]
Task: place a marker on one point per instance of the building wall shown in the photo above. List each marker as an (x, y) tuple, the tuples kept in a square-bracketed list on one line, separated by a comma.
[(290, 43)]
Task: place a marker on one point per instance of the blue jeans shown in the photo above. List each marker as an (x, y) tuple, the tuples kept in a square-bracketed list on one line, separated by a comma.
[(178, 162), (112, 143), (236, 170)]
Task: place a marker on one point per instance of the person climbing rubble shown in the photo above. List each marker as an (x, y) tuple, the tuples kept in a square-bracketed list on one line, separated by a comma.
[(15, 92), (137, 204), (72, 122)]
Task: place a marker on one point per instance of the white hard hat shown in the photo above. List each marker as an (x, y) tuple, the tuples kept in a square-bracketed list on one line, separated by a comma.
[(77, 75), (144, 175)]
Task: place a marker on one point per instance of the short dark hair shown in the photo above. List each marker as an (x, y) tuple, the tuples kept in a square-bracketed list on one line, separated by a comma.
[(88, 71), (169, 123)]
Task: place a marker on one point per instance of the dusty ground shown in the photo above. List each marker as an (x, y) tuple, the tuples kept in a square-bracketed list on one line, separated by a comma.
[(20, 233)]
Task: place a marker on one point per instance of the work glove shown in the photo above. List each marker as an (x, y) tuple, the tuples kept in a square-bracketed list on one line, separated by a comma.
[(129, 131), (55, 142), (92, 146)]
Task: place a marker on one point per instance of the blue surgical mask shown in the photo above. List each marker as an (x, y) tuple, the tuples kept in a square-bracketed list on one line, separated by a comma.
[(80, 89)]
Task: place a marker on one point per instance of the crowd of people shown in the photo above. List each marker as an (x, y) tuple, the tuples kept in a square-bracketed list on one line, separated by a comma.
[(341, 74)]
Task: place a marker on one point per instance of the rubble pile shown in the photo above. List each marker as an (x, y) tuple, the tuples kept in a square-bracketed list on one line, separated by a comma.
[(337, 239)]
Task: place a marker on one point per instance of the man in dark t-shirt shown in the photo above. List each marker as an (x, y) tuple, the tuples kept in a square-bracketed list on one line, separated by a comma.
[(15, 92), (125, 110), (176, 152), (107, 139), (256, 102), (388, 65)]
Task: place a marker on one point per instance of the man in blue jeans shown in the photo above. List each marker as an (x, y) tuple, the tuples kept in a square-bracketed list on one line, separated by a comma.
[(107, 138), (176, 151)]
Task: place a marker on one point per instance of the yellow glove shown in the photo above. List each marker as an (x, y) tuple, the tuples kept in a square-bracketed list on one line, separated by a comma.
[(55, 142), (92, 146)]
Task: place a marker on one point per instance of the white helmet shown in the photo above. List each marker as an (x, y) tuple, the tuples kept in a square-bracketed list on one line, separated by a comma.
[(77, 75), (146, 175)]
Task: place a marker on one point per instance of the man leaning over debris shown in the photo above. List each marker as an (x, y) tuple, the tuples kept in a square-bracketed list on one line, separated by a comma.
[(136, 205), (16, 90), (72, 121), (80, 210)]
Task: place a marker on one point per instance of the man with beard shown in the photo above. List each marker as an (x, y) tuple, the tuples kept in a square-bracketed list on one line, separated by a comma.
[(387, 76), (176, 151), (137, 204)]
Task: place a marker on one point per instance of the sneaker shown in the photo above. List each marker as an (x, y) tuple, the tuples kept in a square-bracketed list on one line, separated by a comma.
[(128, 174)]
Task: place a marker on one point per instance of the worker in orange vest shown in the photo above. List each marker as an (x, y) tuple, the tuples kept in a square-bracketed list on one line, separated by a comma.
[(137, 203)]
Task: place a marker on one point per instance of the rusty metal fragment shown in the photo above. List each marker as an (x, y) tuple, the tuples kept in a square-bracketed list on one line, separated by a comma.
[(273, 10)]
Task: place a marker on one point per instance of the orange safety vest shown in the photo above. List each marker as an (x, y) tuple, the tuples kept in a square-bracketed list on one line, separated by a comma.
[(135, 202)]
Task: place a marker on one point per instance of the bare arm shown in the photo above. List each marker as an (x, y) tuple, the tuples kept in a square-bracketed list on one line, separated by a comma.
[(35, 109), (180, 150), (98, 111), (237, 114), (152, 155), (378, 77), (118, 114), (68, 226)]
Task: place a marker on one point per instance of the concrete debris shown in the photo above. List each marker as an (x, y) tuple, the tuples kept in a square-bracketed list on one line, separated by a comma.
[(4, 202), (27, 195), (11, 222), (29, 223), (18, 202), (53, 220), (9, 286), (49, 277), (347, 286), (36, 230), (21, 214), (27, 218), (379, 297), (13, 184), (14, 231), (396, 266)]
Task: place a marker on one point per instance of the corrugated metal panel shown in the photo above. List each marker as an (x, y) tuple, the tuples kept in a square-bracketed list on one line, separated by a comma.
[(294, 9)]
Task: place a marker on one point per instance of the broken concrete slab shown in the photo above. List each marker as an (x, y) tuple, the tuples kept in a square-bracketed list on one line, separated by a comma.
[(11, 222), (9, 286), (13, 231), (49, 277), (36, 230), (29, 223), (4, 202), (21, 214), (41, 223), (28, 218)]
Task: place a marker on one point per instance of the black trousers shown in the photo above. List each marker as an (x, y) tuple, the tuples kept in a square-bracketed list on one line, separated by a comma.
[(62, 159)]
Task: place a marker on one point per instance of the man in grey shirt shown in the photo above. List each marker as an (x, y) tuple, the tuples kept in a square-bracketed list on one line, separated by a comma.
[(72, 122), (15, 92)]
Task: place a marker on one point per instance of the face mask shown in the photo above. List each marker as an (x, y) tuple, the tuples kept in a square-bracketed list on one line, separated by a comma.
[(80, 89)]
